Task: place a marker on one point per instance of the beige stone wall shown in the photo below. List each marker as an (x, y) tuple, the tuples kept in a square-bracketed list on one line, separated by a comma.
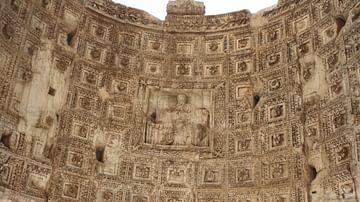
[(100, 102)]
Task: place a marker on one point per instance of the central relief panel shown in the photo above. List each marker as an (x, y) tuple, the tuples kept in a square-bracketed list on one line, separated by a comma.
[(178, 118)]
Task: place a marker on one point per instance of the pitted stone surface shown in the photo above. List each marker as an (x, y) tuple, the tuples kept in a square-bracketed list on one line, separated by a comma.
[(102, 102)]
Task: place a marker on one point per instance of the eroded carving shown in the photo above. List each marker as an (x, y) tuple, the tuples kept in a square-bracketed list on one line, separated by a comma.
[(103, 102), (178, 119)]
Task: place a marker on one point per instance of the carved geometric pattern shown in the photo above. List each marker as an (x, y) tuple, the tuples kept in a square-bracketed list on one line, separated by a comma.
[(104, 102)]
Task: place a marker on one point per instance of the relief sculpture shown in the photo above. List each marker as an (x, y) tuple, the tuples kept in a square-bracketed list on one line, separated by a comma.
[(103, 102), (178, 119)]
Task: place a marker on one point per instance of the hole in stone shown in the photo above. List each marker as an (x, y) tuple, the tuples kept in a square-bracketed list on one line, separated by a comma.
[(45, 2), (313, 192), (52, 91), (256, 99), (100, 154), (70, 39), (153, 117), (340, 22), (57, 117), (312, 173), (6, 139)]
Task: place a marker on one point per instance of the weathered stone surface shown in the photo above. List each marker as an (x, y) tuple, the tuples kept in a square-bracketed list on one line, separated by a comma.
[(185, 7), (102, 102)]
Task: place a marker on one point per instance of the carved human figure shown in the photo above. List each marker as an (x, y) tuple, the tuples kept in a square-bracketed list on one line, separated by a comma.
[(179, 115), (201, 130), (181, 124)]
